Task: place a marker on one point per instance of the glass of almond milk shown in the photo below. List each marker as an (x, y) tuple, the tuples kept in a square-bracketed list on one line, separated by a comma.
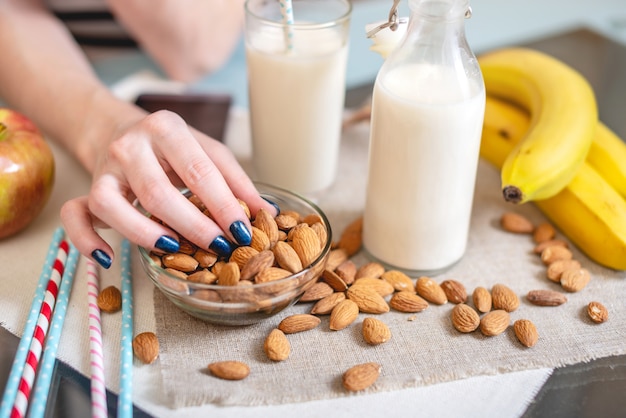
[(296, 86)]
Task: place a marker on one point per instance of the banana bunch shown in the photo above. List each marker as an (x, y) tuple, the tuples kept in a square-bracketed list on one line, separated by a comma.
[(591, 209), (563, 118)]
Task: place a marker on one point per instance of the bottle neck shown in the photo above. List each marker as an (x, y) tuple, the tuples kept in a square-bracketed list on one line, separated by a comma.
[(439, 10)]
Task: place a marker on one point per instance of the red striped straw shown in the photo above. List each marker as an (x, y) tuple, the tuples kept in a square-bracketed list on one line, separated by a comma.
[(96, 353), (39, 334)]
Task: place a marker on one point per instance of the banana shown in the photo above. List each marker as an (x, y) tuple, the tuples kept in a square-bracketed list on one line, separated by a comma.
[(608, 156), (563, 118), (588, 210)]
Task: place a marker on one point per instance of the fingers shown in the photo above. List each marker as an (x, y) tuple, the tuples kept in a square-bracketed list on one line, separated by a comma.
[(78, 224)]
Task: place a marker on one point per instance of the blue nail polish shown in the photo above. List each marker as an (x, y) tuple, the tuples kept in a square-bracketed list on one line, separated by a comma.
[(221, 246), (102, 258), (167, 244), (272, 203), (241, 233)]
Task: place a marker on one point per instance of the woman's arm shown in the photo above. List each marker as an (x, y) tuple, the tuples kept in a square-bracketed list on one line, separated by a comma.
[(187, 38)]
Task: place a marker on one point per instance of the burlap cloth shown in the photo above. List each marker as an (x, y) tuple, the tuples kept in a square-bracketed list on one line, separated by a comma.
[(423, 351)]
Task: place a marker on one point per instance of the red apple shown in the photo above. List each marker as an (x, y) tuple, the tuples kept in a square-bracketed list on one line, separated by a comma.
[(26, 172)]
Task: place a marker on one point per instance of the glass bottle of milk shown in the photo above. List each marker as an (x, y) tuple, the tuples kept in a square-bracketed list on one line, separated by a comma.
[(427, 113)]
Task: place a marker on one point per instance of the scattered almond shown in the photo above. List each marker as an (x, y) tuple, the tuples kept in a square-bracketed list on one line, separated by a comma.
[(109, 299), (298, 323), (336, 256), (229, 369), (408, 301), (454, 290), (325, 305), (277, 346), (316, 292), (503, 297), (516, 223), (430, 290), (543, 232), (554, 253), (368, 300), (464, 318), (526, 332), (375, 331), (545, 297), (380, 286), (575, 280), (146, 347), (334, 281), (371, 269), (399, 280), (495, 322), (342, 315), (482, 299), (346, 270), (555, 269), (361, 376), (597, 312), (351, 237), (543, 245)]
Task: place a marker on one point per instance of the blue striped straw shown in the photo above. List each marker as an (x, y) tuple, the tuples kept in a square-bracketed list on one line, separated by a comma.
[(44, 376), (10, 391), (286, 10), (125, 398)]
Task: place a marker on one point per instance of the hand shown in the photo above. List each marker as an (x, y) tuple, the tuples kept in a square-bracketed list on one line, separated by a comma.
[(148, 162)]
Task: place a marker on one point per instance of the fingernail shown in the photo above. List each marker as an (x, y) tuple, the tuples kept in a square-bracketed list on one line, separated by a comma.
[(167, 244), (221, 246), (102, 258), (273, 204), (241, 233)]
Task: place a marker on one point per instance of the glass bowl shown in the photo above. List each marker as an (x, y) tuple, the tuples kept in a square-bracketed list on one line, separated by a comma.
[(243, 304)]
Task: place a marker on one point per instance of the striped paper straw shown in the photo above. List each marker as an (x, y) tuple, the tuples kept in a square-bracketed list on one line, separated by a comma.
[(286, 10), (39, 400), (96, 353), (39, 334), (13, 381), (125, 398)]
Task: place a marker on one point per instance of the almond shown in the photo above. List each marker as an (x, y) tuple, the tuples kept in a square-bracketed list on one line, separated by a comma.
[(543, 245), (526, 332), (229, 369), (260, 240), (399, 280), (325, 305), (346, 270), (575, 280), (306, 243), (322, 233), (454, 290), (371, 269), (368, 300), (543, 232), (203, 276), (286, 257), (335, 258), (361, 376), (430, 290), (495, 322), (554, 253), (146, 347), (555, 269), (597, 312), (180, 261), (266, 223), (545, 297), (342, 315), (334, 281), (271, 274), (316, 292), (408, 301), (229, 274), (205, 259), (286, 221), (502, 297), (298, 323), (464, 318), (482, 299), (516, 223), (351, 237), (258, 262), (109, 299), (186, 247), (381, 287), (375, 331), (240, 255), (276, 346)]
